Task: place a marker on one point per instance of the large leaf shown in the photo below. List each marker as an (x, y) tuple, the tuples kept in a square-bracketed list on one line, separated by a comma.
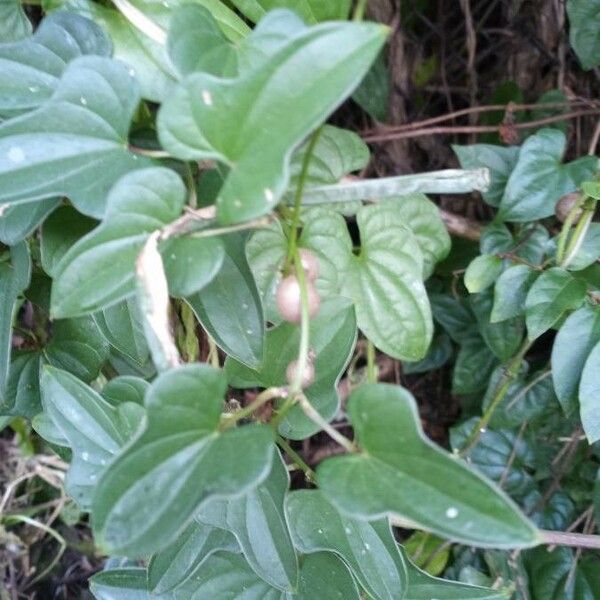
[(99, 270), (583, 31), (332, 336), (14, 24), (94, 429), (572, 346), (311, 11), (180, 460), (589, 395), (258, 522), (229, 576), (200, 119), (75, 144), (538, 179), (230, 308), (30, 69), (367, 547), (176, 563), (553, 293), (17, 222), (400, 472), (500, 160), (124, 584), (14, 278)]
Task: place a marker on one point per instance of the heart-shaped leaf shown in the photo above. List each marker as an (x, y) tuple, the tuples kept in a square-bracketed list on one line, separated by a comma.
[(75, 144), (400, 472), (240, 333), (94, 429), (312, 11), (199, 120), (31, 68), (367, 547), (124, 584), (583, 31), (553, 293), (332, 338), (99, 270), (258, 522), (510, 291), (229, 576), (180, 460), (173, 566)]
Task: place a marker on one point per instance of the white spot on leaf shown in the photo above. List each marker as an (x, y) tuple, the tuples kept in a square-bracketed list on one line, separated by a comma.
[(452, 512), (16, 155), (207, 98)]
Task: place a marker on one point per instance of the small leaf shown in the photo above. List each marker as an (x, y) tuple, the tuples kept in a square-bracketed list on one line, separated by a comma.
[(30, 69), (125, 388), (173, 566), (510, 291), (99, 270), (230, 307), (373, 94), (589, 395), (483, 272), (75, 144), (473, 366), (440, 352), (368, 548), (400, 472), (196, 121), (554, 292), (14, 24), (229, 576), (575, 340), (332, 338), (454, 315), (538, 180), (178, 462), (257, 521), (18, 222), (94, 429), (589, 251), (583, 31), (500, 160)]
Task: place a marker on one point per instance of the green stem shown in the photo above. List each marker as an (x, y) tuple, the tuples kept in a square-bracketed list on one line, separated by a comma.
[(303, 348), (371, 364), (509, 374), (297, 459), (295, 225), (581, 229), (262, 398), (566, 228), (359, 11)]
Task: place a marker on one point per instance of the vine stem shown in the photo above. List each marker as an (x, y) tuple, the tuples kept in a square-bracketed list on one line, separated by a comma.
[(574, 540), (140, 21), (303, 348), (359, 11), (580, 231), (371, 365), (295, 225), (509, 374), (566, 228), (262, 398), (296, 458)]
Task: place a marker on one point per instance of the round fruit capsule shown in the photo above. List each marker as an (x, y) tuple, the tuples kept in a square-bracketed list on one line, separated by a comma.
[(308, 375), (310, 264), (289, 302)]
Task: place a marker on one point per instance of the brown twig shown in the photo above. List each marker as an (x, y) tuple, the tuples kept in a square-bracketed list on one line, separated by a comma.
[(461, 226)]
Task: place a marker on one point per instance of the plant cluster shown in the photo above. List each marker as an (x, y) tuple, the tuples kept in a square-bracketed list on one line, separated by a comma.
[(187, 186)]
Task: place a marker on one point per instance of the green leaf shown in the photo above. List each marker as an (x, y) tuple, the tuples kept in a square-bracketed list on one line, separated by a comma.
[(589, 251), (312, 11), (591, 188), (14, 24), (229, 576), (63, 228), (474, 364), (482, 272), (173, 566), (510, 291), (368, 548), (94, 429), (501, 454), (30, 69), (422, 586), (124, 584), (500, 160), (230, 307), (589, 395), (332, 338), (75, 144), (427, 551), (583, 31), (18, 222), (579, 334), (258, 522), (121, 324), (200, 118), (99, 270), (178, 462), (553, 293), (125, 388), (14, 278), (538, 180), (22, 392), (454, 315), (440, 352), (400, 472), (373, 94), (422, 217)]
